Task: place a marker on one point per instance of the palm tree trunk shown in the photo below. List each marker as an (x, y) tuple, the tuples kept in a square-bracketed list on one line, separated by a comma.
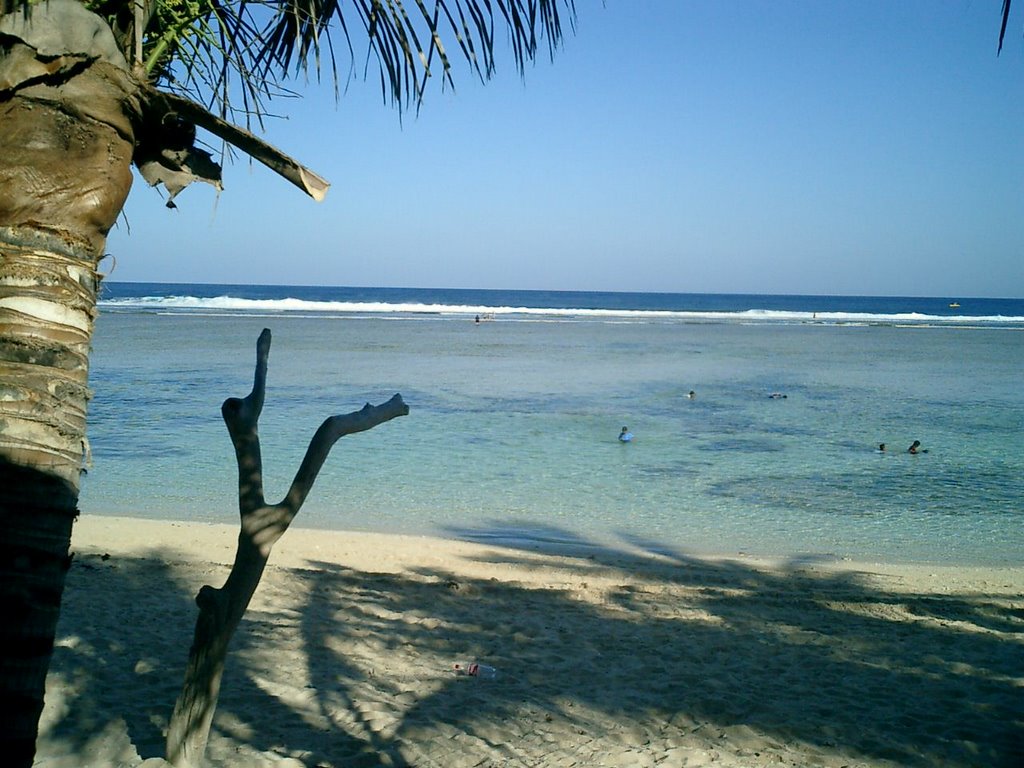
[(65, 171), (45, 327)]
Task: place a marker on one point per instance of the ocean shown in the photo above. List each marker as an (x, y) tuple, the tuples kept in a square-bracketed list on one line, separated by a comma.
[(517, 399)]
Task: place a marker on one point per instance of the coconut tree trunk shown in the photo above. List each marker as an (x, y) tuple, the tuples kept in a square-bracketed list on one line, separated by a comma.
[(43, 366), (66, 143)]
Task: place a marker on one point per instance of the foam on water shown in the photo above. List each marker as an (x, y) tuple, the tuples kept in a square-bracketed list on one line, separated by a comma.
[(222, 304)]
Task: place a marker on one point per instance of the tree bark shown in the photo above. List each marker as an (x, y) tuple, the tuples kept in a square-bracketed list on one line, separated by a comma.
[(262, 524), (66, 145)]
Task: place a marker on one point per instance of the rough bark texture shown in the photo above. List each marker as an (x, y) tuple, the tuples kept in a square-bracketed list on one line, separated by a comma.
[(66, 145), (262, 524), (47, 303)]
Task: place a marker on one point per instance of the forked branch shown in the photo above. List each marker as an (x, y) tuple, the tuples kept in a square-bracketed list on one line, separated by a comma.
[(221, 610)]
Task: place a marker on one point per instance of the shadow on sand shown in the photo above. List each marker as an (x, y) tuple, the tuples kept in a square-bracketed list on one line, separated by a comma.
[(678, 653)]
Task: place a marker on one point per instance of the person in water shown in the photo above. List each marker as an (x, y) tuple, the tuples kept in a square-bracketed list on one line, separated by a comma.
[(625, 436), (915, 448), (692, 394), (881, 447)]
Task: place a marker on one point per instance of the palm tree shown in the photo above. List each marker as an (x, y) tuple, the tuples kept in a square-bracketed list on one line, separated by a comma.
[(89, 88)]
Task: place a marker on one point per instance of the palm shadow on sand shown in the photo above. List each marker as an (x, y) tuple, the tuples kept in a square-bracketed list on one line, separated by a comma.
[(640, 649)]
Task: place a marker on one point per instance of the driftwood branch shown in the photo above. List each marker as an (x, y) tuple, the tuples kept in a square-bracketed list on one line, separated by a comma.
[(262, 524)]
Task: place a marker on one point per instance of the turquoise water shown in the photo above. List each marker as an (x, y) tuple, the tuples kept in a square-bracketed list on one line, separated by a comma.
[(513, 423)]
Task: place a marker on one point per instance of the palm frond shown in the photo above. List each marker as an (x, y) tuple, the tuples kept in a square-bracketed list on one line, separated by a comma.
[(217, 52), (1002, 26)]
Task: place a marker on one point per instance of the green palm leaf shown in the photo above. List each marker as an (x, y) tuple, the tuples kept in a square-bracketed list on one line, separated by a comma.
[(220, 53)]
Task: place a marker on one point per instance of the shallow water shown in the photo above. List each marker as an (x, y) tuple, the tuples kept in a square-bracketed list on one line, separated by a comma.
[(513, 425)]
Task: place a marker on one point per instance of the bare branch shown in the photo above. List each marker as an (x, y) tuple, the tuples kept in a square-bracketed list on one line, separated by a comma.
[(221, 610), (241, 416), (328, 434)]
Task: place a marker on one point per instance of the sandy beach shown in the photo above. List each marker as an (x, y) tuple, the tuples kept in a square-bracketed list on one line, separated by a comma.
[(605, 657)]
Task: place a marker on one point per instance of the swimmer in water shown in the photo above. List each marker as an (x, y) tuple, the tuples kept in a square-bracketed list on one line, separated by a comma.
[(916, 448), (625, 436)]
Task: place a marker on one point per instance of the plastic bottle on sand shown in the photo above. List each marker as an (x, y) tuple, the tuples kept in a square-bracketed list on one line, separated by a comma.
[(473, 669)]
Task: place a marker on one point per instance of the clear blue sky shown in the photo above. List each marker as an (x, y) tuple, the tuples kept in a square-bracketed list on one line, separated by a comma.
[(730, 147)]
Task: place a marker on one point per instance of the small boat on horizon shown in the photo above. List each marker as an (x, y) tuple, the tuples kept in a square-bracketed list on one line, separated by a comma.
[(954, 305)]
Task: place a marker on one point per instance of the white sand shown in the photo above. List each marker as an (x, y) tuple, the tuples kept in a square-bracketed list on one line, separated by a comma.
[(605, 658)]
